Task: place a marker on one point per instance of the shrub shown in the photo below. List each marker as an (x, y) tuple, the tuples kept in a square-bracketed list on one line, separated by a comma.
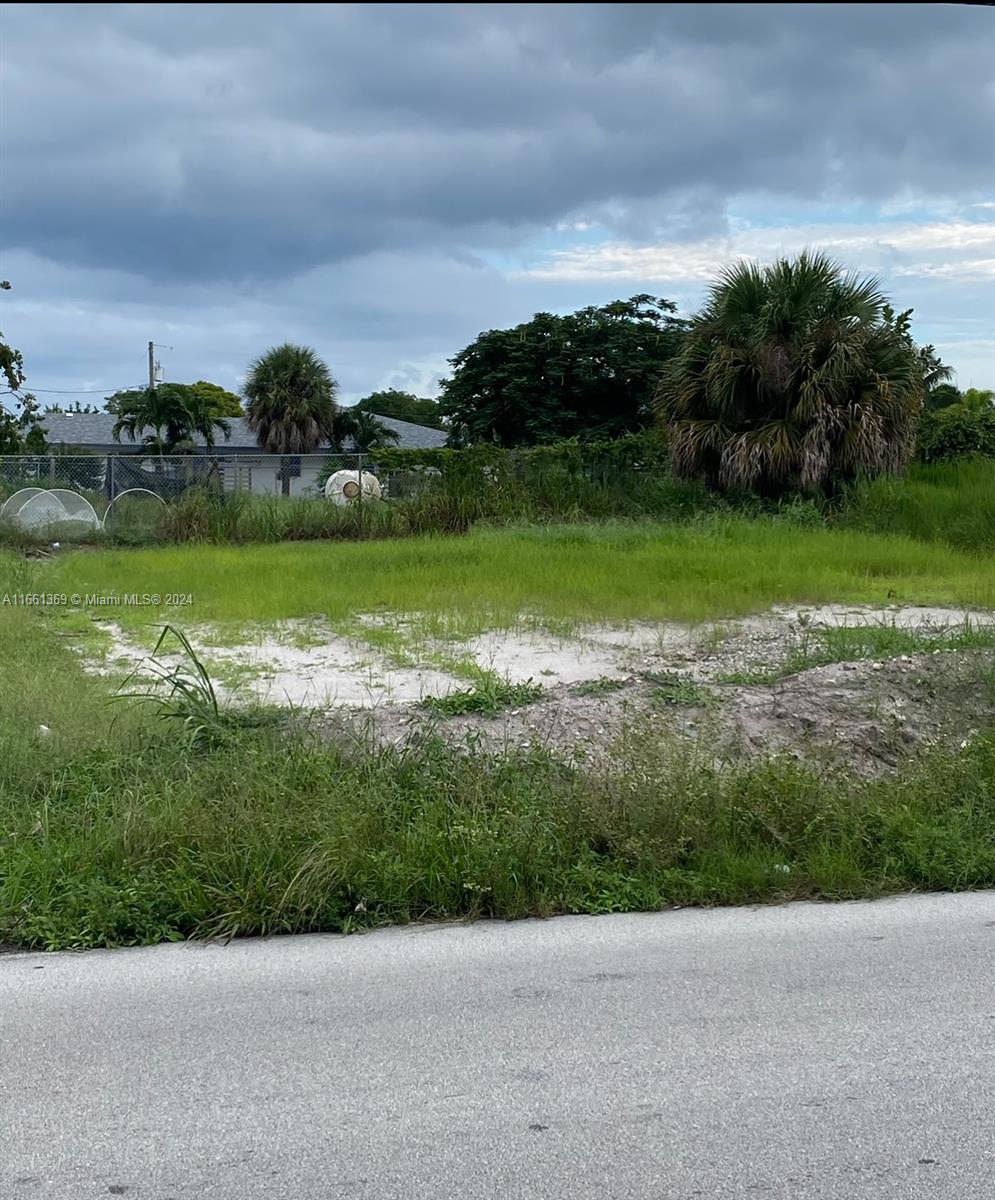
[(957, 432)]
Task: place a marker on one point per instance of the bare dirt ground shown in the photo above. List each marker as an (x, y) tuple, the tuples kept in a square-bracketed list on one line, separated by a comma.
[(598, 681)]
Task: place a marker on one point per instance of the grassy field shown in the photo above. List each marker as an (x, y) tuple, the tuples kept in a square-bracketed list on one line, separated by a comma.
[(721, 566), (116, 829)]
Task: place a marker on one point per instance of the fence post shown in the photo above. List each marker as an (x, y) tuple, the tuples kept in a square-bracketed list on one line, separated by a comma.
[(51, 468), (359, 459), (110, 475)]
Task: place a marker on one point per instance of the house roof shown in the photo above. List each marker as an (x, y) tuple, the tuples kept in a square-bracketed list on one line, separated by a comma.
[(94, 431)]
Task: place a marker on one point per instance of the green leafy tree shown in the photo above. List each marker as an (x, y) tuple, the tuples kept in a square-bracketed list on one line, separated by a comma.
[(51, 409), (942, 396), (11, 360), (291, 403), (978, 400), (366, 432), (10, 435), (172, 414), (32, 430), (934, 372), (216, 399), (122, 400), (202, 396), (794, 376), (402, 406), (23, 433), (589, 375)]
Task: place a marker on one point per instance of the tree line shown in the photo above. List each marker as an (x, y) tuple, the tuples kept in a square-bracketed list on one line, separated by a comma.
[(794, 375)]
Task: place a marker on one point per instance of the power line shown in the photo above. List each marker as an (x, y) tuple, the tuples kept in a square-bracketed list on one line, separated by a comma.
[(71, 391)]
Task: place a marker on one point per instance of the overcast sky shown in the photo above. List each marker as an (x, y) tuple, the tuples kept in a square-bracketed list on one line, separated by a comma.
[(385, 182)]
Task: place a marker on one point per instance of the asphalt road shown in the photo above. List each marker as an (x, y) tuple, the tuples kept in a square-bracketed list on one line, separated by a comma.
[(843, 1051)]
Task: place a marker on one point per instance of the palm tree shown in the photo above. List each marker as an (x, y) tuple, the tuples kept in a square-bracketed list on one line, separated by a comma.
[(290, 396), (794, 375), (172, 413), (366, 430), (204, 419)]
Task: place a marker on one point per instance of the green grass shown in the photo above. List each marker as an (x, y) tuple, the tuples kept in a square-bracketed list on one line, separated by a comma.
[(946, 503), (853, 643), (719, 567), (142, 841), (674, 689), (487, 699), (115, 831)]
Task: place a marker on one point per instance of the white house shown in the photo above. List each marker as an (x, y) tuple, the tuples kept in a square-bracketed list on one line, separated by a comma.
[(238, 459)]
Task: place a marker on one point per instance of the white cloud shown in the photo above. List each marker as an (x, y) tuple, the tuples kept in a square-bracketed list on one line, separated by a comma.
[(939, 249), (975, 268)]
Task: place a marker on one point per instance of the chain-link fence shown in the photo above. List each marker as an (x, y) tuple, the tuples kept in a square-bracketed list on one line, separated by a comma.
[(102, 490), (102, 477)]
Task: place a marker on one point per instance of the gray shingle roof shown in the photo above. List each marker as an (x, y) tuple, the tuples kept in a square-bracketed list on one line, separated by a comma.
[(93, 431)]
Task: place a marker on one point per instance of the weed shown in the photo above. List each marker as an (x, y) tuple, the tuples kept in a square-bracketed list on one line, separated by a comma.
[(672, 688), (487, 699), (129, 843), (598, 687), (185, 692), (853, 643)]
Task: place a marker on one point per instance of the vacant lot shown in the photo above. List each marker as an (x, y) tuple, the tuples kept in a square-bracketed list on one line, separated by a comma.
[(523, 720)]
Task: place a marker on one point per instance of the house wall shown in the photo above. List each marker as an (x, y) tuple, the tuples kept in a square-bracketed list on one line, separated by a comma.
[(261, 476), (116, 471)]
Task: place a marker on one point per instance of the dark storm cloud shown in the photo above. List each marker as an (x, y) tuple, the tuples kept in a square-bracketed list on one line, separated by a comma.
[(251, 142)]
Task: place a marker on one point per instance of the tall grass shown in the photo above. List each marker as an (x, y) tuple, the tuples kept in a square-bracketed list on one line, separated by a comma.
[(949, 503), (952, 504), (717, 566), (139, 843)]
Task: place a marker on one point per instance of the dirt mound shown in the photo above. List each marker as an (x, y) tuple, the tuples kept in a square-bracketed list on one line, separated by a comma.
[(867, 716)]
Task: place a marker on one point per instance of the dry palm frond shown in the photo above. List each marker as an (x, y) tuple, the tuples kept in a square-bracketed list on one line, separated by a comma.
[(792, 375)]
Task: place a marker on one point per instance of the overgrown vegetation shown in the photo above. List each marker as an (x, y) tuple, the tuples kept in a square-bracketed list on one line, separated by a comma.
[(722, 565), (139, 841), (119, 828), (451, 492), (949, 503), (957, 432)]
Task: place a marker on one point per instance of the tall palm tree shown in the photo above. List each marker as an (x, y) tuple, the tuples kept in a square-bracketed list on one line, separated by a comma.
[(793, 376), (290, 407)]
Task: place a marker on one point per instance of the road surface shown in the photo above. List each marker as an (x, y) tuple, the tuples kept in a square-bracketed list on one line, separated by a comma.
[(833, 1051)]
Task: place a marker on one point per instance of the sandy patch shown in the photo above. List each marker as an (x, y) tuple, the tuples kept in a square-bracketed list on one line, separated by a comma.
[(601, 680), (550, 660), (337, 671), (304, 663)]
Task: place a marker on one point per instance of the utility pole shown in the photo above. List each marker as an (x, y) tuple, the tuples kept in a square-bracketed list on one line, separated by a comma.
[(151, 366)]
